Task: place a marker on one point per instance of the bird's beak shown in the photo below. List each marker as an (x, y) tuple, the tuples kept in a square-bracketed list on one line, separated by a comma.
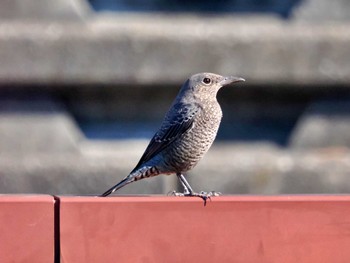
[(229, 80)]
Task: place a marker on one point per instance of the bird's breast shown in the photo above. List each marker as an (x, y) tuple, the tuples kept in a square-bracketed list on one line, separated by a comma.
[(192, 146)]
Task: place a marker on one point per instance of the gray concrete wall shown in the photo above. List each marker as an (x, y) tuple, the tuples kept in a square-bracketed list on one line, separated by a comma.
[(61, 10), (154, 49)]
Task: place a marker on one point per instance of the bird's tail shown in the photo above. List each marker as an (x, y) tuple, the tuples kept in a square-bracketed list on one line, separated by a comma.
[(135, 175), (122, 183)]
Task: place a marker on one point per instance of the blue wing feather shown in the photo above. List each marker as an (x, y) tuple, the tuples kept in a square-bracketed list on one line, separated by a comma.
[(178, 121)]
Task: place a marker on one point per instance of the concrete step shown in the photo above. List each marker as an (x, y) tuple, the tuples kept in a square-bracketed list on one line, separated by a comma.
[(151, 49), (227, 168)]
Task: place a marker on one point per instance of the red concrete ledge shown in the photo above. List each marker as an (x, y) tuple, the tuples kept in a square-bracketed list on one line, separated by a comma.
[(26, 228), (229, 229)]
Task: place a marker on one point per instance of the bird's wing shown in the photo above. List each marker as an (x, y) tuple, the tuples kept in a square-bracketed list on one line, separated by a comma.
[(178, 121)]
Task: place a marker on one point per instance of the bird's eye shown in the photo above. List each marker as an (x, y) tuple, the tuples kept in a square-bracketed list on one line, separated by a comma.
[(206, 81)]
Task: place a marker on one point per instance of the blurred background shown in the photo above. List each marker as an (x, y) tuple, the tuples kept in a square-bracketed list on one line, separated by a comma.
[(84, 84)]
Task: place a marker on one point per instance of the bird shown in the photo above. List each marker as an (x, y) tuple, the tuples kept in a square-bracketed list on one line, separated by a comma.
[(187, 132)]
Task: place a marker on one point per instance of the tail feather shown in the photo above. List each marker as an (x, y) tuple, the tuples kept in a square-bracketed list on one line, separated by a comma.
[(122, 183), (143, 172)]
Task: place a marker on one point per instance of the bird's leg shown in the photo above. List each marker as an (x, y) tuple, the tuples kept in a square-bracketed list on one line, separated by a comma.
[(188, 191), (187, 188)]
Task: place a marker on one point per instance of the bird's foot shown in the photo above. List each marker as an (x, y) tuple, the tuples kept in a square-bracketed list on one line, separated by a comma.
[(211, 193), (205, 196)]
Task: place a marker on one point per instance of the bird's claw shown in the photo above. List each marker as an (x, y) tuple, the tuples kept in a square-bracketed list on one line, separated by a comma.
[(204, 195), (211, 193)]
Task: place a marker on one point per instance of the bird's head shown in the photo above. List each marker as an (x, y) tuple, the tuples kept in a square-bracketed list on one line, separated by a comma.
[(206, 85)]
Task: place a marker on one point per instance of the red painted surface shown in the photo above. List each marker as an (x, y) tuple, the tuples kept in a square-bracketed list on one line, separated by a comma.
[(281, 229), (26, 228)]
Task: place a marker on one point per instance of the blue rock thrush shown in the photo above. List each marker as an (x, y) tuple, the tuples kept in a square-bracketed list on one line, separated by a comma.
[(187, 132)]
